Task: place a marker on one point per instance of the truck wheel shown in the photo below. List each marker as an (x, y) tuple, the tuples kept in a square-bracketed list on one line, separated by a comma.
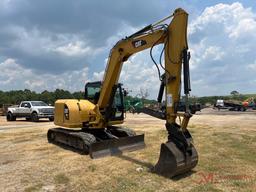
[(51, 118), (10, 117), (34, 117)]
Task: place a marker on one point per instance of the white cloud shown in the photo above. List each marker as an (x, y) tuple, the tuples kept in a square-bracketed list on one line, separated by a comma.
[(221, 53), (35, 42), (73, 49), (235, 19), (137, 73), (213, 52), (5, 4), (252, 66), (98, 76), (222, 42), (15, 76)]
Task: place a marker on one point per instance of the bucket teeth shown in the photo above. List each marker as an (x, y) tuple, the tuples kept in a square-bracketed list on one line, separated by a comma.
[(172, 161)]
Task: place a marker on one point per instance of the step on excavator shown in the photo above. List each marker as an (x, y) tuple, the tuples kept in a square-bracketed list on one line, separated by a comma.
[(91, 124)]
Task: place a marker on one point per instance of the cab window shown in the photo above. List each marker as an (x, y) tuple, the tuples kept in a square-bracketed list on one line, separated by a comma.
[(91, 91), (117, 106)]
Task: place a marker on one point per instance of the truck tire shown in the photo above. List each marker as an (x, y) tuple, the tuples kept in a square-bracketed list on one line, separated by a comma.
[(51, 118), (34, 117), (10, 117)]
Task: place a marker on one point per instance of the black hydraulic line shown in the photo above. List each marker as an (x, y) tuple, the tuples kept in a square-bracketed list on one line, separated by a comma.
[(161, 89), (161, 92), (158, 70), (141, 31), (151, 55), (160, 60), (186, 57)]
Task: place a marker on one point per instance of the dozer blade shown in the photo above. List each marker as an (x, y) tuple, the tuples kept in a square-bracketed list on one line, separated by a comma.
[(173, 161), (116, 146)]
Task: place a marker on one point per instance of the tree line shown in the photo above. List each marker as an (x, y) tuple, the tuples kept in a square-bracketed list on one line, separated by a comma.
[(16, 96), (212, 99)]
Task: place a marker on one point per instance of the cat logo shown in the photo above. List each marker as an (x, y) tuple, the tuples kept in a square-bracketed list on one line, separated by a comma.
[(139, 43)]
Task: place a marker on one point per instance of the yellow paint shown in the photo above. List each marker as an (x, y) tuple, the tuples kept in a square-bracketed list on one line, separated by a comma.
[(175, 41)]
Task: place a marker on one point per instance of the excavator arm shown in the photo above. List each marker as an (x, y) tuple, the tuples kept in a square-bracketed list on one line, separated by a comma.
[(174, 38), (178, 155), (99, 136)]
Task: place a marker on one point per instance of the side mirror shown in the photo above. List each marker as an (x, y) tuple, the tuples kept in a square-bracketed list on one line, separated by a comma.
[(50, 104)]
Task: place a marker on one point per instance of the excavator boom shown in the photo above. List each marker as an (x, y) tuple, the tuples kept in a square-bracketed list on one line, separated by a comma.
[(98, 114)]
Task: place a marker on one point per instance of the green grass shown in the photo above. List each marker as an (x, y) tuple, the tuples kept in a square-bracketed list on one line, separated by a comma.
[(92, 168), (205, 187), (61, 178), (226, 152), (33, 188)]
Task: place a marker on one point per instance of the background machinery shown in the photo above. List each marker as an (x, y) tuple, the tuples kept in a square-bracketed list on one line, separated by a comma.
[(93, 122), (236, 105)]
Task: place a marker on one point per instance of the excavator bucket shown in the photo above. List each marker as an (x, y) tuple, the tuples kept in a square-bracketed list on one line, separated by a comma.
[(173, 161), (116, 146)]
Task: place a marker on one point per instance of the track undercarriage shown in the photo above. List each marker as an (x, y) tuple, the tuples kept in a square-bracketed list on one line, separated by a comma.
[(177, 156), (97, 142)]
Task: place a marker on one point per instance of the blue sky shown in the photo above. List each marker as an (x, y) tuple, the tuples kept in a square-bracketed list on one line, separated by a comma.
[(63, 44)]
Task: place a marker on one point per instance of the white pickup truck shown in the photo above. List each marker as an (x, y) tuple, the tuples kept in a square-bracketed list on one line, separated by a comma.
[(31, 110)]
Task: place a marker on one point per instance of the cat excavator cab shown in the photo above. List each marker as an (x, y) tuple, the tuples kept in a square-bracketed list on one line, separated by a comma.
[(92, 123)]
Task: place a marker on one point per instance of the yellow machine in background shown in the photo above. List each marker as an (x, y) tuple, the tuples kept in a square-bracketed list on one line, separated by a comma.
[(93, 120)]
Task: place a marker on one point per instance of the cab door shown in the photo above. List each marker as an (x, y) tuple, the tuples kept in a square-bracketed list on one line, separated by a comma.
[(20, 110), (117, 110), (27, 109)]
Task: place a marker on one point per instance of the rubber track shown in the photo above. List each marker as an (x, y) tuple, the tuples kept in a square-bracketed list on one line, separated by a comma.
[(78, 140)]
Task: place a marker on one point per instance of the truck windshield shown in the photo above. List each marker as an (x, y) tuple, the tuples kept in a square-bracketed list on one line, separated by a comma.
[(38, 103)]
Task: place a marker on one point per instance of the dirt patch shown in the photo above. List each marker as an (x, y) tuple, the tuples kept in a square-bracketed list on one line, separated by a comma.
[(226, 147)]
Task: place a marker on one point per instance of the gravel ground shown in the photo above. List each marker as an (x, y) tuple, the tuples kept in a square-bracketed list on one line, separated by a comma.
[(225, 141)]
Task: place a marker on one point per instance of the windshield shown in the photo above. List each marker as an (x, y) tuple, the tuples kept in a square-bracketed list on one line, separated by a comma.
[(38, 103), (92, 91)]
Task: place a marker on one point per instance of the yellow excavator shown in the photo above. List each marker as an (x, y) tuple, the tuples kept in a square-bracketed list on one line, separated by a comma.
[(91, 124)]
